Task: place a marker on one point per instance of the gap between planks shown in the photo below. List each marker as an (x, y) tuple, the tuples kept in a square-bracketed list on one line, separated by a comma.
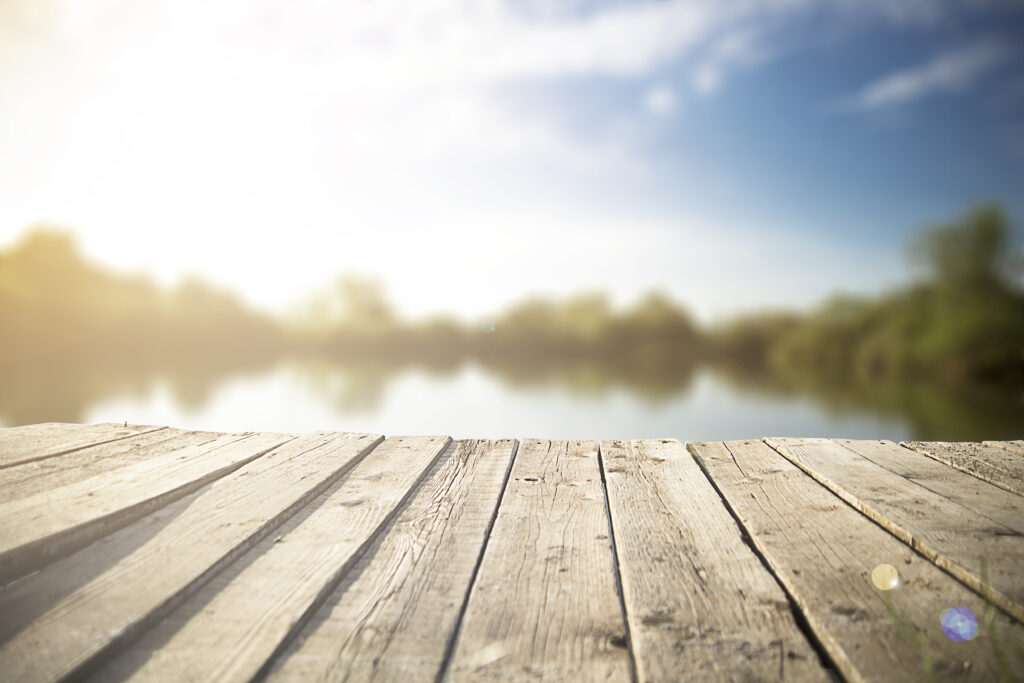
[(823, 551), (630, 646), (444, 672), (55, 444), (1000, 464), (696, 597), (222, 634), (980, 552), (457, 632), (554, 613), (124, 594)]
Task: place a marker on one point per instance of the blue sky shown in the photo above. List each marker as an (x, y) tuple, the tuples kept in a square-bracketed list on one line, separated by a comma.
[(783, 138), (735, 154)]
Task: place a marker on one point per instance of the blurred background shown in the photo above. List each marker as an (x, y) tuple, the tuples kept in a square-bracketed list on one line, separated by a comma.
[(563, 219)]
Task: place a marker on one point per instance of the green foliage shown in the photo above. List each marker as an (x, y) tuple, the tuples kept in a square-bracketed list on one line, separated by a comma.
[(963, 322), (588, 326), (747, 340), (53, 302), (971, 253)]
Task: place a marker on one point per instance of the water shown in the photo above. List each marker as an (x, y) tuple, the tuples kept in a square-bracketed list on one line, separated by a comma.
[(471, 400)]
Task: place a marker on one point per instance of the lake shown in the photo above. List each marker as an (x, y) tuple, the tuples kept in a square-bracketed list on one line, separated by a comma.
[(469, 399)]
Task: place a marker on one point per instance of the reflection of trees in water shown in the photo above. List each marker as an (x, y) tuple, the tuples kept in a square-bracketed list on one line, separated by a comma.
[(932, 411), (348, 387), (65, 388), (651, 374), (62, 390), (75, 335), (358, 383), (192, 381)]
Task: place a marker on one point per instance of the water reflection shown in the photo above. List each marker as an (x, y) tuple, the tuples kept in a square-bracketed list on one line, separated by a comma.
[(929, 410), (940, 359), (490, 396)]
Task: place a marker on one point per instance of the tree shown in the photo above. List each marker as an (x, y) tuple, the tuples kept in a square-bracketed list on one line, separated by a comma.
[(363, 303), (969, 253)]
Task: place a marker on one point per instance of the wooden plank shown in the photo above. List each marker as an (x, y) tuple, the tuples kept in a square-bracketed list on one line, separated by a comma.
[(954, 537), (993, 502), (26, 479), (394, 614), (697, 597), (180, 554), (25, 600), (52, 523), (226, 635), (995, 465), (823, 551), (1011, 446), (37, 442), (544, 603)]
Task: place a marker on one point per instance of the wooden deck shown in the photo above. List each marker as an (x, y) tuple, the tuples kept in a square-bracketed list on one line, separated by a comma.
[(149, 553)]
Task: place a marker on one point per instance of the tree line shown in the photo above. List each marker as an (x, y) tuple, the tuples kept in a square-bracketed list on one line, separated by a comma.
[(961, 321)]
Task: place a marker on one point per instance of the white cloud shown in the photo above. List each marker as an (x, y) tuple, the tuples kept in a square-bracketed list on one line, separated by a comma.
[(947, 73), (395, 43), (738, 48), (329, 132), (660, 100), (706, 78)]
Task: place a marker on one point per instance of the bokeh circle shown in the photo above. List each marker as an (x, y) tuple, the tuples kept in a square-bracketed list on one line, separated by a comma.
[(959, 624)]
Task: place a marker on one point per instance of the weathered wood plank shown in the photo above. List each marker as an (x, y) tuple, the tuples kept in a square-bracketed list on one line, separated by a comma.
[(25, 600), (224, 520), (698, 599), (1012, 446), (544, 603), (952, 536), (30, 478), (995, 465), (37, 442), (394, 615), (991, 501), (824, 552), (41, 528), (230, 636)]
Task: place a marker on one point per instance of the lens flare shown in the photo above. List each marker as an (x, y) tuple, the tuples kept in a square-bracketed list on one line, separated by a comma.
[(959, 624), (885, 577)]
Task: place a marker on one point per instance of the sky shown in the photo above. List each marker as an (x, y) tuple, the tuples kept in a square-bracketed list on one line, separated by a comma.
[(735, 154)]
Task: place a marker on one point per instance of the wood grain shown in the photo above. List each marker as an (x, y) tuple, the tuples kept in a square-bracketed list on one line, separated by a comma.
[(993, 502), (30, 478), (1012, 446), (52, 523), (152, 553), (995, 465), (545, 603), (984, 554), (221, 522), (233, 636), (823, 551), (698, 599), (40, 441), (393, 616)]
